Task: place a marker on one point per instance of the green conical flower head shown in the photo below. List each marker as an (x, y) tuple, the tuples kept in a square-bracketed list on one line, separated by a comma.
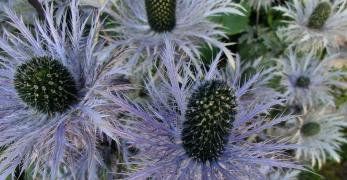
[(161, 15), (310, 129), (209, 116), (46, 85), (320, 15), (303, 82)]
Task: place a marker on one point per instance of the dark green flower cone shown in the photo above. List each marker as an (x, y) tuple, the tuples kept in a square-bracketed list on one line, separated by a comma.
[(320, 15), (209, 117), (310, 129), (161, 15), (46, 85), (303, 82)]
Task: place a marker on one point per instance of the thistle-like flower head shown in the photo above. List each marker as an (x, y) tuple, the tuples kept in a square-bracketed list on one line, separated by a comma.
[(51, 114), (147, 24), (309, 81), (320, 135), (314, 25), (196, 126)]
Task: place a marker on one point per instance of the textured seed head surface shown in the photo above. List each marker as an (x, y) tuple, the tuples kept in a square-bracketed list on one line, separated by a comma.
[(310, 129), (161, 15), (46, 85), (320, 15), (210, 113)]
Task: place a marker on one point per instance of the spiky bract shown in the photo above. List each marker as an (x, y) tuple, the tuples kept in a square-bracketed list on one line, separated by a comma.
[(161, 14), (245, 72), (46, 85), (280, 174), (209, 117)]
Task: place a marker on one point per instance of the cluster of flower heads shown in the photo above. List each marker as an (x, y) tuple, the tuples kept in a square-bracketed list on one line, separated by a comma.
[(68, 108), (316, 30)]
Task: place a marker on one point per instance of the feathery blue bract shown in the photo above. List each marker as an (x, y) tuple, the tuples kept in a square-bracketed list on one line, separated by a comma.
[(64, 143), (161, 132), (260, 89)]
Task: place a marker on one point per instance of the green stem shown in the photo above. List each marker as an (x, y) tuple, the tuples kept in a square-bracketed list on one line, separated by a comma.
[(39, 9)]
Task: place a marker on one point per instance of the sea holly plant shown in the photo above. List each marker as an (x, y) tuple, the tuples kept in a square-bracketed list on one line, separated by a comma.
[(314, 25), (173, 89), (51, 115), (197, 126), (147, 24), (320, 135), (308, 81)]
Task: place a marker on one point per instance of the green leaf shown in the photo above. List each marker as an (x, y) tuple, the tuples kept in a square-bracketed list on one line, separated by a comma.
[(234, 24)]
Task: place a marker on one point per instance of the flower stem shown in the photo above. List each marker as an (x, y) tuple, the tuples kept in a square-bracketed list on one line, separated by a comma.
[(39, 9)]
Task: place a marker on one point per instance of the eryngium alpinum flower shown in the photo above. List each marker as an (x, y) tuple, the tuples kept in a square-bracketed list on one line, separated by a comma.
[(147, 24), (50, 112), (315, 24), (308, 81), (196, 126), (320, 135)]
